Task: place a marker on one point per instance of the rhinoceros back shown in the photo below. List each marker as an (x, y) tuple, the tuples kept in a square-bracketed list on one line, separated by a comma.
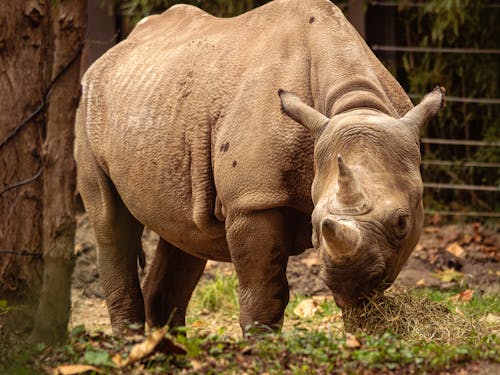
[(186, 111)]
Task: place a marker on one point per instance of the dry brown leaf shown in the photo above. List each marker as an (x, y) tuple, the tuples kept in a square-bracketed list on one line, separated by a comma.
[(196, 365), (74, 369), (156, 341), (198, 323), (352, 341), (455, 249), (431, 229), (466, 239), (307, 309), (448, 275), (463, 297), (420, 282), (459, 312), (247, 350), (118, 360)]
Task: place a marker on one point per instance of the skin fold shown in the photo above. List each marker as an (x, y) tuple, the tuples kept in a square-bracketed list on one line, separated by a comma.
[(185, 127)]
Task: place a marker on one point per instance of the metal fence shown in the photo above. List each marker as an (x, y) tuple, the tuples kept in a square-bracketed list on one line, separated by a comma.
[(430, 162)]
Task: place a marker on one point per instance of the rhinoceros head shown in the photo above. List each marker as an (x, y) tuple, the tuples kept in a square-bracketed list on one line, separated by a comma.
[(367, 192)]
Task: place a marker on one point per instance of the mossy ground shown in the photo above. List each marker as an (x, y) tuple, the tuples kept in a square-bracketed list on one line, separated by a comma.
[(316, 344)]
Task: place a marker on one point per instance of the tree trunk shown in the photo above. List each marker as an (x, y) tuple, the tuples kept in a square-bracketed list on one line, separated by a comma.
[(24, 76), (40, 45), (69, 25)]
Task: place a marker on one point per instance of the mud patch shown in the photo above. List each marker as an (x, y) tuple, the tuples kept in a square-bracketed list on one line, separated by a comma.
[(439, 250)]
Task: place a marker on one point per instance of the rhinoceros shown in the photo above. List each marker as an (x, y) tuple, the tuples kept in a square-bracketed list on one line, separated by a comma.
[(246, 140)]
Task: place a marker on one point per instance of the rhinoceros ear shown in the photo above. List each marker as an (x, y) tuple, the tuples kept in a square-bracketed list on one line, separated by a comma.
[(302, 113), (428, 107)]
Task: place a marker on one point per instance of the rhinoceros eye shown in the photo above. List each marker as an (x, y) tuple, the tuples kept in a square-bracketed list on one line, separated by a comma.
[(401, 224)]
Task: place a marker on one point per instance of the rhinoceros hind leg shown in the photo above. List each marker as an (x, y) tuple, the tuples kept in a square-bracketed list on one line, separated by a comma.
[(259, 243), (169, 285), (118, 237)]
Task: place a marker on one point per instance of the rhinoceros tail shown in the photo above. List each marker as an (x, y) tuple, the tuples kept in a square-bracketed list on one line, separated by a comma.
[(141, 258)]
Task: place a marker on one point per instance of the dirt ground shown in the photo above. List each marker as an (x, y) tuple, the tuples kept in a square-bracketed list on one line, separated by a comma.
[(447, 255)]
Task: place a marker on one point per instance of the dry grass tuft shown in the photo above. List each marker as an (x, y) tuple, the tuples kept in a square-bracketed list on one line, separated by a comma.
[(414, 317)]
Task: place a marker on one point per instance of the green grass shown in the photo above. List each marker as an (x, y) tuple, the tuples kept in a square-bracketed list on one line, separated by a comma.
[(218, 294), (478, 306), (306, 346)]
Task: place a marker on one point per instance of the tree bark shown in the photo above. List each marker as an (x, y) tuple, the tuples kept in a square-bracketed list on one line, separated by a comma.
[(40, 45), (69, 24), (24, 76)]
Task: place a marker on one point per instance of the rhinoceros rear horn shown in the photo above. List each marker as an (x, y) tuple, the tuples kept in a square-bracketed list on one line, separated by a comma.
[(302, 113), (349, 192), (342, 238), (428, 107)]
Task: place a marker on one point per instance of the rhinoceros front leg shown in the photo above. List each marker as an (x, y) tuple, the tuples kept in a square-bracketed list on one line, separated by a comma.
[(259, 245), (169, 285)]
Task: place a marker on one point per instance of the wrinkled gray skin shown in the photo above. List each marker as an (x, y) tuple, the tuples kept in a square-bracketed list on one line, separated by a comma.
[(180, 128)]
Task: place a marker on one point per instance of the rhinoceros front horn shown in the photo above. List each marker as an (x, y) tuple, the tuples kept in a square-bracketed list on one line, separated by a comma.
[(342, 238)]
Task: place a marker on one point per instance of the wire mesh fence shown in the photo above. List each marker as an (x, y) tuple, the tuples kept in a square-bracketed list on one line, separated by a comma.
[(461, 174)]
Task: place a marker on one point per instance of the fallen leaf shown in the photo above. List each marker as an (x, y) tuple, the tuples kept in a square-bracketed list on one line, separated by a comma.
[(456, 250), (198, 323), (464, 296), (466, 239), (196, 365), (431, 229), (448, 275), (307, 308), (352, 341), (459, 312), (118, 360), (420, 282), (247, 350), (156, 341), (74, 369), (436, 219)]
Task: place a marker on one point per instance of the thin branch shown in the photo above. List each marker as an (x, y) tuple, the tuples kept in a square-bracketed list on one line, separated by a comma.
[(23, 253), (23, 182), (18, 127), (45, 99)]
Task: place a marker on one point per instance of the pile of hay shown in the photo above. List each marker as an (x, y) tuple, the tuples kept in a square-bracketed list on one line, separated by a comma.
[(414, 317)]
